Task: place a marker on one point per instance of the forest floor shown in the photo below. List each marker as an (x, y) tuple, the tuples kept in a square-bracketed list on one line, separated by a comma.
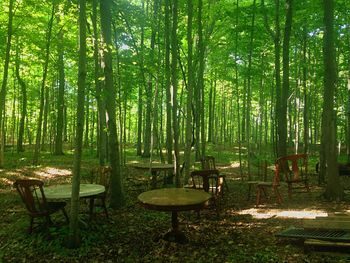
[(242, 232)]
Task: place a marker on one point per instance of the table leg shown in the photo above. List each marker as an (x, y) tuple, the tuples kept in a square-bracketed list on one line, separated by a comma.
[(175, 235), (154, 179)]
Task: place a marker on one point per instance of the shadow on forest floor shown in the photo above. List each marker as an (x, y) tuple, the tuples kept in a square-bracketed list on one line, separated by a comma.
[(242, 233)]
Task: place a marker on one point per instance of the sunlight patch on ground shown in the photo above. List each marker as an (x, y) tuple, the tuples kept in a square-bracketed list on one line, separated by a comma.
[(6, 181), (52, 172), (281, 213)]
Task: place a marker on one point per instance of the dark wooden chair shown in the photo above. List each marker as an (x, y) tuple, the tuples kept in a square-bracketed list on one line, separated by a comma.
[(32, 194), (295, 170), (263, 186), (211, 182), (208, 163), (100, 175)]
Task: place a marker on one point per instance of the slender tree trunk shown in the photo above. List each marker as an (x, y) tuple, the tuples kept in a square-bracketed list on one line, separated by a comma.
[(249, 92), (117, 196), (4, 83), (169, 137), (101, 105), (43, 87), (45, 116), (74, 233), (306, 101), (190, 85), (23, 86), (237, 96), (60, 98), (174, 55), (149, 88), (334, 189)]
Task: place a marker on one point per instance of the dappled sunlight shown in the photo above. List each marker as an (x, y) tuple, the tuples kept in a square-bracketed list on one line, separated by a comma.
[(6, 181), (52, 172), (259, 213)]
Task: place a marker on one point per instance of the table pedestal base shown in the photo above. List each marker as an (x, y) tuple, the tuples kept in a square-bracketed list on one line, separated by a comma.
[(175, 236)]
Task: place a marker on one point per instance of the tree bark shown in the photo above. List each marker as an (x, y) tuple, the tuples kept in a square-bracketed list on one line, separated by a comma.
[(23, 86), (169, 137), (74, 234), (190, 85), (4, 83), (42, 90), (60, 98), (174, 55), (334, 190), (282, 113), (117, 196)]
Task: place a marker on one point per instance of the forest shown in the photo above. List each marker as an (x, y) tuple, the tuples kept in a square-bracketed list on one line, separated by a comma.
[(114, 82)]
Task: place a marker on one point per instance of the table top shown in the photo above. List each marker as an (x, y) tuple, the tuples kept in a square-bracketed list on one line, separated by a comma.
[(174, 199), (153, 166), (64, 191)]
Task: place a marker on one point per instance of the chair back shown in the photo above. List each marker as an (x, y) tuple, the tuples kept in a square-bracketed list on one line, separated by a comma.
[(32, 195), (208, 163), (101, 175), (294, 167), (208, 180)]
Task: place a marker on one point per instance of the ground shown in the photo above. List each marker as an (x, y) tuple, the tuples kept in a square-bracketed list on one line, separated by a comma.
[(241, 233)]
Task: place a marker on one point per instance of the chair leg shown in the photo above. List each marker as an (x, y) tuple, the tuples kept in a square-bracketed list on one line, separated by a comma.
[(258, 195), (65, 214), (30, 229), (278, 195), (103, 200), (91, 207), (225, 183)]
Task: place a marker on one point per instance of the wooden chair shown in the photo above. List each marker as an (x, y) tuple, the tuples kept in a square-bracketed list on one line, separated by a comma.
[(100, 175), (32, 195), (209, 181), (294, 169), (262, 186), (208, 163)]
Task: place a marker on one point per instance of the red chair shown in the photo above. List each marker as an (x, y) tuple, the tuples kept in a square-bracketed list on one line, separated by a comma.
[(32, 194), (294, 169)]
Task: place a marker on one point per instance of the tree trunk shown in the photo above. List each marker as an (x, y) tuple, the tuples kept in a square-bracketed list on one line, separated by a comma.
[(101, 105), (190, 85), (117, 196), (174, 92), (74, 235), (306, 101), (169, 137), (60, 98), (249, 92), (23, 86), (282, 113), (334, 190), (4, 83), (42, 90)]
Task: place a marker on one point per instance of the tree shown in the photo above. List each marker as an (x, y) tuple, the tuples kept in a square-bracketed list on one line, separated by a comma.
[(74, 235), (190, 77), (61, 87), (282, 113), (43, 88), (4, 83), (117, 196), (334, 190)]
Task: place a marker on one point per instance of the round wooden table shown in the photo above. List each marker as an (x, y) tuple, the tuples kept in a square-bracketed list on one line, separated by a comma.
[(64, 191), (174, 200), (155, 169)]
